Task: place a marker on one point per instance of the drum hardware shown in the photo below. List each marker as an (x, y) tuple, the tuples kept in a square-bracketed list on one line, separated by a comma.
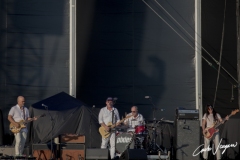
[(154, 148)]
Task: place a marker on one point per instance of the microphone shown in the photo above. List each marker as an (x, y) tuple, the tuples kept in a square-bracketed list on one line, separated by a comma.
[(46, 107), (115, 98), (93, 106), (147, 97)]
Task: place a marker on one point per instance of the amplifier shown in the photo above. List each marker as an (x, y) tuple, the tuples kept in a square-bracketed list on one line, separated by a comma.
[(72, 151), (43, 151), (187, 114), (72, 138)]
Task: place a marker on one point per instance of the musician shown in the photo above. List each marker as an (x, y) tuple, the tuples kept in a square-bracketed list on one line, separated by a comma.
[(136, 120), (17, 113), (109, 114), (209, 119)]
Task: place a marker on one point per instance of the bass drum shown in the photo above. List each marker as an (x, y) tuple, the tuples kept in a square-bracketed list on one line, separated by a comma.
[(123, 141)]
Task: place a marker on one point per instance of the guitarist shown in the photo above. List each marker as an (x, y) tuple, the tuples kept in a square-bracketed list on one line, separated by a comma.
[(16, 114), (209, 119), (109, 114)]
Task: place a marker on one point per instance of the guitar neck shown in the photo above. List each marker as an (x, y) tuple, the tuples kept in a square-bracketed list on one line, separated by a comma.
[(114, 125), (220, 123), (26, 121)]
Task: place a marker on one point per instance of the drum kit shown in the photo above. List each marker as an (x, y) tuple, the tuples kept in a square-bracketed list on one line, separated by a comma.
[(143, 136)]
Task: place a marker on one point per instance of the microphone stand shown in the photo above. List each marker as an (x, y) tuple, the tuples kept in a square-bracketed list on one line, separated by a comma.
[(90, 129), (51, 118), (154, 108)]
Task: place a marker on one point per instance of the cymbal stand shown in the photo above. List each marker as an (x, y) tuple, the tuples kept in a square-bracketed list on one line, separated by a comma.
[(154, 147), (154, 108)]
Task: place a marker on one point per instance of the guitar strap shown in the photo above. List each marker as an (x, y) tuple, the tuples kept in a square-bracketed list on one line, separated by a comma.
[(24, 113), (112, 115)]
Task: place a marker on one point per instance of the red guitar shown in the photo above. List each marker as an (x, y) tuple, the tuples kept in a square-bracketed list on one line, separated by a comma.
[(209, 131)]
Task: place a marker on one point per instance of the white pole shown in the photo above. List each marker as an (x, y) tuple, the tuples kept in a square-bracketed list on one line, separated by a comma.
[(72, 48), (198, 57)]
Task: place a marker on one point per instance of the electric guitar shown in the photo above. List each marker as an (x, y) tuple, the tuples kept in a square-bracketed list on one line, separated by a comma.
[(22, 123), (209, 131), (105, 133)]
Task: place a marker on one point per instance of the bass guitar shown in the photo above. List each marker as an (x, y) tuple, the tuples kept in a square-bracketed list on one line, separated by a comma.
[(209, 131), (22, 124), (105, 133)]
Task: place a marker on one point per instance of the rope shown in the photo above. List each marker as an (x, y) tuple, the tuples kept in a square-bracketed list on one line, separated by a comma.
[(220, 57), (186, 40)]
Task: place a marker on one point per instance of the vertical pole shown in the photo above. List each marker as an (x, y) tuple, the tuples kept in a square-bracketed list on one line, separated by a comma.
[(72, 48), (198, 57)]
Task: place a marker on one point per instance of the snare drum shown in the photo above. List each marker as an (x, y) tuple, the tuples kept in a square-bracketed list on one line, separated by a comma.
[(123, 140)]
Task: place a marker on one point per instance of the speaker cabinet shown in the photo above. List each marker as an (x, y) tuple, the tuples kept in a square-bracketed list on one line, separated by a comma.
[(134, 154), (72, 151), (43, 151), (187, 139), (96, 154)]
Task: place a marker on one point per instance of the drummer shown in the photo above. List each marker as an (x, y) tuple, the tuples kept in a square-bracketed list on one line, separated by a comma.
[(135, 120)]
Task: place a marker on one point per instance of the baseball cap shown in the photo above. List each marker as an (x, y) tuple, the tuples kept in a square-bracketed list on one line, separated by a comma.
[(109, 99)]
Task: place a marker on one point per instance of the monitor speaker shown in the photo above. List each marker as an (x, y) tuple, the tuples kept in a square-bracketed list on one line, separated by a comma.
[(187, 139), (10, 151), (96, 154), (134, 154)]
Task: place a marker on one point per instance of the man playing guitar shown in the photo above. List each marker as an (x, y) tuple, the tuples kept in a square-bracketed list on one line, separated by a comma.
[(108, 115), (210, 118), (17, 113)]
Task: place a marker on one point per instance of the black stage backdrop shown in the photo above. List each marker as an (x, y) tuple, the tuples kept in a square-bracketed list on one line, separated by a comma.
[(212, 30), (34, 51), (126, 51)]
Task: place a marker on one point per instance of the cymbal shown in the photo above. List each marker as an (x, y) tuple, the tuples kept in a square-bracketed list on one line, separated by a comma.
[(158, 121), (152, 121)]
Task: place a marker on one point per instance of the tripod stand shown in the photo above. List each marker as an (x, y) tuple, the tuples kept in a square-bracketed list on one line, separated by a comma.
[(154, 148)]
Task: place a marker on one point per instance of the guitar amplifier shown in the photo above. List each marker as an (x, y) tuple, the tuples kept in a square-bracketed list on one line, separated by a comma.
[(72, 138), (72, 151), (43, 151), (187, 114)]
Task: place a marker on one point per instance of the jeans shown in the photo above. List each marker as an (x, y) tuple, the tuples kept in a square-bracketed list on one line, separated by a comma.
[(112, 144), (20, 142), (216, 141)]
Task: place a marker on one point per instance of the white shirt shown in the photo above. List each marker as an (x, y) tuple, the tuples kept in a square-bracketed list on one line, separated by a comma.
[(210, 120), (105, 115), (132, 122), (18, 115)]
